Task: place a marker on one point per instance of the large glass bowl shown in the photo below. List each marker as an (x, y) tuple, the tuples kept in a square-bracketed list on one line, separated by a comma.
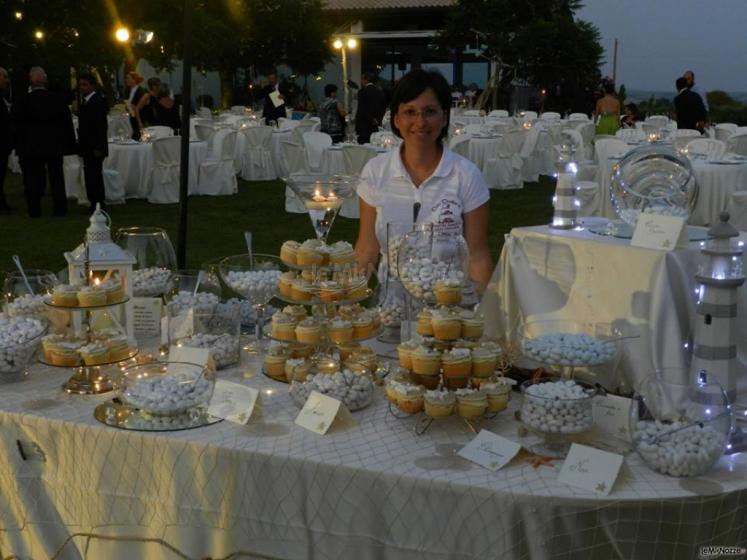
[(557, 409), (427, 256), (570, 343), (19, 301), (679, 429), (155, 256), (166, 389), (653, 179), (217, 330), (16, 356), (353, 389)]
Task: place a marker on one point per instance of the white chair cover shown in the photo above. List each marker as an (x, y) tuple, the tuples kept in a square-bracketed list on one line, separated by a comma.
[(256, 161), (550, 116), (738, 210), (217, 174), (72, 171), (588, 131), (205, 113), (724, 131), (205, 133), (630, 134), (295, 158), (114, 191), (460, 145), (238, 109), (498, 113), (356, 157), (159, 131), (682, 137), (578, 117), (588, 195), (650, 128), (165, 174), (658, 120), (504, 170), (284, 122), (528, 115), (473, 128), (737, 143), (609, 147), (302, 128), (575, 138), (709, 147), (472, 113), (315, 144)]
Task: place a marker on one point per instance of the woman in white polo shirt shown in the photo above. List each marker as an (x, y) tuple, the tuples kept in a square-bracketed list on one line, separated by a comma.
[(423, 180)]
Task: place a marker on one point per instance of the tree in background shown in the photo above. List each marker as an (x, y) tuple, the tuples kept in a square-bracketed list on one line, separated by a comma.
[(227, 35), (537, 41)]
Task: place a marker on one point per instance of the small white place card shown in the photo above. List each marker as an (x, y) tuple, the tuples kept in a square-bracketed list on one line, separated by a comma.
[(320, 412), (489, 450), (590, 469), (146, 315), (234, 402), (182, 325), (611, 415), (654, 231), (277, 101), (182, 358)]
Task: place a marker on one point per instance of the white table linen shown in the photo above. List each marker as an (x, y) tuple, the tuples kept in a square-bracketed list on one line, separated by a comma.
[(580, 276), (134, 162), (372, 491)]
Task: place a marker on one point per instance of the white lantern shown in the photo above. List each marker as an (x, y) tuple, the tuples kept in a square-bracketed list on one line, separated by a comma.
[(97, 259)]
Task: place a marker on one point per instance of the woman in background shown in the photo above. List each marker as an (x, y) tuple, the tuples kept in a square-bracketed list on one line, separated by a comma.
[(608, 111)]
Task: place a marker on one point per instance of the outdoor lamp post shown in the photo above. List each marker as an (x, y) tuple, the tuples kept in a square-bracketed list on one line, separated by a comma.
[(343, 45)]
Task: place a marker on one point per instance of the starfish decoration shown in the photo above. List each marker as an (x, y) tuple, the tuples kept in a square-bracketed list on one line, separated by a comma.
[(535, 460), (601, 487)]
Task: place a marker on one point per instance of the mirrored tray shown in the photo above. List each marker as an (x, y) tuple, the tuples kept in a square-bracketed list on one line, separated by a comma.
[(118, 415), (85, 307), (133, 352), (624, 231)]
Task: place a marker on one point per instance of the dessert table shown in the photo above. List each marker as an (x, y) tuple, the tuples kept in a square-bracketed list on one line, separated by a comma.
[(576, 275), (373, 490), (134, 162)]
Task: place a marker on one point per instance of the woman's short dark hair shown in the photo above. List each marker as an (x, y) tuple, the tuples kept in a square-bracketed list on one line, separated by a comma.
[(163, 91), (329, 89), (154, 83), (412, 85), (608, 87)]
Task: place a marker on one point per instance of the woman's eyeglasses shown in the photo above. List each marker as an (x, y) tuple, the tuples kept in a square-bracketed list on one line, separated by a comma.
[(429, 113)]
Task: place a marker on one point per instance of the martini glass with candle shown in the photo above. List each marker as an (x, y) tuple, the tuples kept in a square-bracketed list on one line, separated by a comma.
[(322, 196)]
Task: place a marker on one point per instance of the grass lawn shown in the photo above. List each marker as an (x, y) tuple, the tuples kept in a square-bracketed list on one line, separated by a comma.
[(216, 224)]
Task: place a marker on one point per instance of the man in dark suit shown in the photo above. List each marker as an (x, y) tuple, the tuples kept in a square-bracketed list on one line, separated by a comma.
[(6, 138), (43, 133), (689, 108), (270, 112), (371, 109), (93, 144)]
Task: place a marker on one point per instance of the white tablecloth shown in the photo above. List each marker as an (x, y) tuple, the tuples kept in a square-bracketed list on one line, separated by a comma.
[(581, 276), (134, 162), (480, 149), (716, 182), (372, 491)]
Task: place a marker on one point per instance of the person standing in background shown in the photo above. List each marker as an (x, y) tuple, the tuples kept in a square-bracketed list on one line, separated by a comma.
[(688, 107), (134, 93), (43, 134), (6, 138), (93, 146), (332, 114), (371, 109), (690, 77)]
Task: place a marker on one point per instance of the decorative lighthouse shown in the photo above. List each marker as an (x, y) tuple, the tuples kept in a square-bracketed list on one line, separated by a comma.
[(720, 276), (565, 203)]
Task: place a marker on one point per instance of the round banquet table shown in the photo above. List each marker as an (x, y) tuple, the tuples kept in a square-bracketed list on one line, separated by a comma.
[(367, 491), (134, 162), (481, 148)]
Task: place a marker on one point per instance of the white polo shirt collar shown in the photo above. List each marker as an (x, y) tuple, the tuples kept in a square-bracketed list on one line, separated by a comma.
[(443, 169)]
